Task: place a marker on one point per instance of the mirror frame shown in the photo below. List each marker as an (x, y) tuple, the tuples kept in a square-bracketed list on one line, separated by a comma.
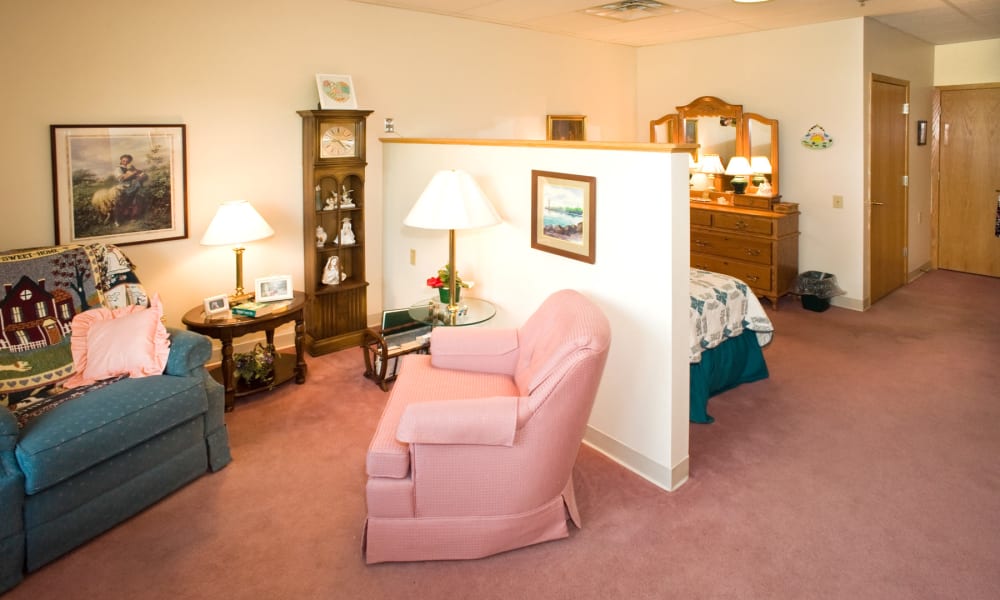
[(773, 123), (711, 106)]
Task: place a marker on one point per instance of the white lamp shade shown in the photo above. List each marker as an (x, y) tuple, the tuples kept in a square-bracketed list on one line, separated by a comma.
[(711, 163), (760, 164), (236, 222), (738, 165), (452, 200)]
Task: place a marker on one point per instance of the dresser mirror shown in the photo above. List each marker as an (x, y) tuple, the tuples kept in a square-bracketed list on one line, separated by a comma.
[(723, 129), (761, 136)]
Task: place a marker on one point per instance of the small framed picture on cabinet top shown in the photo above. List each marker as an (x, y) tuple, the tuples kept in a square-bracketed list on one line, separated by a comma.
[(336, 92)]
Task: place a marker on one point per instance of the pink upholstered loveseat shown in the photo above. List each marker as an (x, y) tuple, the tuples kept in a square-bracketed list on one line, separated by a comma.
[(474, 452)]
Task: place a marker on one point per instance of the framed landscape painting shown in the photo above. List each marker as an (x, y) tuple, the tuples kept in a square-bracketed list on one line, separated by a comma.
[(119, 184), (563, 214)]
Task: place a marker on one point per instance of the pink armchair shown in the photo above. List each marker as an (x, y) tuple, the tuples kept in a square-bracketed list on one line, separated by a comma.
[(474, 452)]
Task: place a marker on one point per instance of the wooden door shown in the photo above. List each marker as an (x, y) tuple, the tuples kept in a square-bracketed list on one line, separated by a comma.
[(887, 188), (969, 184)]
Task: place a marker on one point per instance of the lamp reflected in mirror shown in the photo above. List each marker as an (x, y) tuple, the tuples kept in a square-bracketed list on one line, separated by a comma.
[(761, 167), (711, 165), (739, 168)]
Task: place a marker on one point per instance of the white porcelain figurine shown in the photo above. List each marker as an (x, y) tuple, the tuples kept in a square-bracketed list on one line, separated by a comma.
[(346, 232), (320, 236), (345, 197), (332, 275)]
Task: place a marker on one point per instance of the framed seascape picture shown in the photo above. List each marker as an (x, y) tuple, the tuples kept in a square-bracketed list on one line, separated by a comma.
[(336, 91), (563, 211), (566, 127), (270, 289), (120, 184)]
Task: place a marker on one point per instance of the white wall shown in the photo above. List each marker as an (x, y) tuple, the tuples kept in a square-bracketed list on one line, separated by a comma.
[(639, 278), (895, 54), (971, 62), (235, 72), (802, 76)]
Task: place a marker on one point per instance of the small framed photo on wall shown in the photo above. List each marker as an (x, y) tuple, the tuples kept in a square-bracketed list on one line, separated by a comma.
[(921, 133), (566, 127)]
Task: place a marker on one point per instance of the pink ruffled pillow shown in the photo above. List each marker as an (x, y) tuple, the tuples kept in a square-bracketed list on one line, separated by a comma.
[(124, 341)]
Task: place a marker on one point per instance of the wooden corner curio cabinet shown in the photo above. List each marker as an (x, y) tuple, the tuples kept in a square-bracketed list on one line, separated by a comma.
[(333, 198)]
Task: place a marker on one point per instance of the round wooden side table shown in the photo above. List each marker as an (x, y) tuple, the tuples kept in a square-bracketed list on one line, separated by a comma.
[(229, 327)]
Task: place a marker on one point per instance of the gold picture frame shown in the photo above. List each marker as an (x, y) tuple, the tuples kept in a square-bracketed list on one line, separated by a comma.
[(571, 128), (119, 184)]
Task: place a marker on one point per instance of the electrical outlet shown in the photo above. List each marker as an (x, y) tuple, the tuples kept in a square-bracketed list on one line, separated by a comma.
[(390, 127), (413, 256), (838, 201)]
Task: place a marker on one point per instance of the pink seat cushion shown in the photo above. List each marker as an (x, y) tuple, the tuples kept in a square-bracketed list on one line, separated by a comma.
[(387, 456)]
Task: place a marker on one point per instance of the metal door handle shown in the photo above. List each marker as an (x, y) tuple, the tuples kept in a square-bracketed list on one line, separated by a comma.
[(877, 203)]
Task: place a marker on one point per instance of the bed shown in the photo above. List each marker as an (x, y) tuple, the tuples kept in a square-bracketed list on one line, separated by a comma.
[(729, 328)]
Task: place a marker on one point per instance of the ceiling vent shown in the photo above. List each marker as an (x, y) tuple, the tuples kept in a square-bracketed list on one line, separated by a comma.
[(632, 10)]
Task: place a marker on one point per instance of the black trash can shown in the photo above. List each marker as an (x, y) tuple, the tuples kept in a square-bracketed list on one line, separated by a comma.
[(816, 288)]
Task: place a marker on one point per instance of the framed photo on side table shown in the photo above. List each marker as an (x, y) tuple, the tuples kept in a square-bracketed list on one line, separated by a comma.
[(273, 288), (120, 184), (563, 214), (216, 306)]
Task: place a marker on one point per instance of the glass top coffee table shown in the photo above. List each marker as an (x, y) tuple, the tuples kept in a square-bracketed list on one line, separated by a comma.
[(471, 311)]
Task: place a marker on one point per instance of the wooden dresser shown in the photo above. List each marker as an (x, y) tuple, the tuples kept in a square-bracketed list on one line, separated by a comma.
[(755, 244)]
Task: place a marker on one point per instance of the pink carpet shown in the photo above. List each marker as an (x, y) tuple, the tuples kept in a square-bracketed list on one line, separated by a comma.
[(867, 466)]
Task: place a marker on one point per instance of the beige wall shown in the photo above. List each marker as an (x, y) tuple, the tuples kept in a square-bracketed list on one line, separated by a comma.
[(802, 76), (236, 72), (895, 54), (971, 62)]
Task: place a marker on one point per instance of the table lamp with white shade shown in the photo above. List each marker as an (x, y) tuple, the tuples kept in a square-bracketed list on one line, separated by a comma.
[(452, 200), (234, 224), (739, 168)]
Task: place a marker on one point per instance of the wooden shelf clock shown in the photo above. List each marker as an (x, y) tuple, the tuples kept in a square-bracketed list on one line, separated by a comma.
[(333, 198)]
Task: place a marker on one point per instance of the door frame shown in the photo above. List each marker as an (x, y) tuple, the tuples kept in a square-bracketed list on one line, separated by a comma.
[(935, 141), (876, 77)]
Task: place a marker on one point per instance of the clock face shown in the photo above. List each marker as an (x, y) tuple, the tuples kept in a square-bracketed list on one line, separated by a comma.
[(337, 141)]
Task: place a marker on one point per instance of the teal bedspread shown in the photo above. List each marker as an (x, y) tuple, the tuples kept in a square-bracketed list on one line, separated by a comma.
[(736, 361)]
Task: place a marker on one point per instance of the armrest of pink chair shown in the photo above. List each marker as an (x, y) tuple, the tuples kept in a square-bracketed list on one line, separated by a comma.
[(475, 349), (482, 421)]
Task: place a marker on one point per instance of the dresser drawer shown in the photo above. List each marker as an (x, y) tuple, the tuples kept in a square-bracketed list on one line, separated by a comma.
[(756, 276), (701, 217), (744, 223), (726, 246)]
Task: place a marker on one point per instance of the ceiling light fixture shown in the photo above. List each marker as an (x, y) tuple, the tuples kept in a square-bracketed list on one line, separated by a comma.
[(632, 10)]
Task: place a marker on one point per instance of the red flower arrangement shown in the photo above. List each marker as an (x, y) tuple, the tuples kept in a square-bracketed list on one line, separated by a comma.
[(441, 279)]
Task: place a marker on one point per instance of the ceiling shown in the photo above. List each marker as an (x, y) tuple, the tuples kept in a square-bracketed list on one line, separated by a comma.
[(934, 21)]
